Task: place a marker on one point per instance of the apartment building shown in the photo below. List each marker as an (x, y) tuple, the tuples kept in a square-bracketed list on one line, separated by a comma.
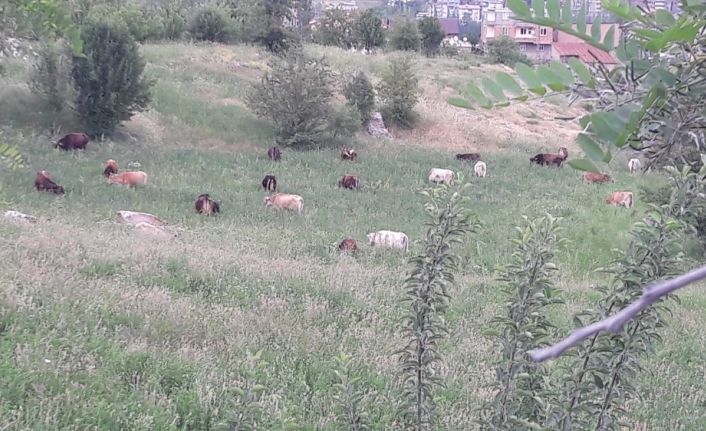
[(533, 40)]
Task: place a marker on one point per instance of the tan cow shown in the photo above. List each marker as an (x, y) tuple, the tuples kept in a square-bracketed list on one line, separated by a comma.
[(437, 175), (595, 178), (283, 201), (620, 198), (129, 178), (389, 238)]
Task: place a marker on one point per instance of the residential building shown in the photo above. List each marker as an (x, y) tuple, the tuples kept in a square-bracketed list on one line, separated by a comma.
[(469, 12), (345, 5), (442, 8), (533, 40)]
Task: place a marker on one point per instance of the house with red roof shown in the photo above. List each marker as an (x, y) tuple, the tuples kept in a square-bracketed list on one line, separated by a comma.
[(588, 54)]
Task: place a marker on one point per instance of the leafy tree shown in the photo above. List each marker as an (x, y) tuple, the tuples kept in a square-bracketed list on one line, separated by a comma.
[(369, 33), (109, 77), (296, 96), (304, 12), (264, 23), (471, 31), (405, 36), (524, 326), (50, 79), (399, 91), (427, 299), (335, 28), (211, 23), (504, 50), (360, 94), (432, 35)]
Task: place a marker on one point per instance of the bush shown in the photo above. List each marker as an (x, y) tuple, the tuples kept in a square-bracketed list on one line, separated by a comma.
[(360, 94), (174, 25), (504, 50), (405, 37), (335, 28), (50, 79), (211, 24), (143, 24), (343, 122), (300, 121), (398, 92), (263, 22), (369, 33), (109, 78), (432, 35)]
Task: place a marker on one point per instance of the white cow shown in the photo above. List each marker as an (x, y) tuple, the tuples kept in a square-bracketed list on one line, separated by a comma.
[(480, 169), (634, 165), (389, 238), (437, 175)]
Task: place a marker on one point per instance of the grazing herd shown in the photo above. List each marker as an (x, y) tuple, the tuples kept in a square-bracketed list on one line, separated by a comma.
[(292, 202)]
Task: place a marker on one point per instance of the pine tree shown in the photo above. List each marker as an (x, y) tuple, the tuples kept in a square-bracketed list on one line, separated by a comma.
[(109, 78)]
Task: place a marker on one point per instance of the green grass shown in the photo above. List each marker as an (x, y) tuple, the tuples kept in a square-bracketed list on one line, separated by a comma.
[(105, 328)]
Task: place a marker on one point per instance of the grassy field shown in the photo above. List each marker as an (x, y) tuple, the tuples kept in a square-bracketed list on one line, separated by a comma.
[(105, 328)]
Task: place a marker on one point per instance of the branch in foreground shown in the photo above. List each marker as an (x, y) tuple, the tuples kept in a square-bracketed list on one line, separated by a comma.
[(615, 323)]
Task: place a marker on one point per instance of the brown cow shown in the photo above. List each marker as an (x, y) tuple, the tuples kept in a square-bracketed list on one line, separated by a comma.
[(350, 182), (349, 154), (111, 168), (274, 153), (269, 183), (206, 205), (551, 158), (468, 157), (620, 198), (43, 182), (348, 245), (129, 178), (592, 177), (73, 141)]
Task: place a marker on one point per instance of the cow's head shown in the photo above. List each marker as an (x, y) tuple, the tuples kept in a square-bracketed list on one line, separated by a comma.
[(267, 201), (371, 238), (564, 152)]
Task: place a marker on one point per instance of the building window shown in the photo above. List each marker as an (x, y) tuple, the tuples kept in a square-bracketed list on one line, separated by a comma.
[(490, 16), (523, 47), (541, 47), (504, 31), (526, 31), (543, 31)]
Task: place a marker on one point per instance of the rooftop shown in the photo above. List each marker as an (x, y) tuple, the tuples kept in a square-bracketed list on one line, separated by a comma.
[(450, 26), (584, 52)]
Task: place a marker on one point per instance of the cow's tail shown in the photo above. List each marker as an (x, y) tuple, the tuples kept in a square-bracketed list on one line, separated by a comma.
[(406, 244)]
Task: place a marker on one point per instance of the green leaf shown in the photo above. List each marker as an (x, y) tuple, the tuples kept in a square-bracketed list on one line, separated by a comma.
[(508, 83), (567, 17), (590, 147), (477, 94), (608, 156), (664, 18), (550, 79), (459, 102), (581, 19), (581, 71), (538, 7), (528, 76), (553, 10), (583, 165), (596, 28), (603, 124), (519, 8), (494, 89), (563, 72), (608, 38)]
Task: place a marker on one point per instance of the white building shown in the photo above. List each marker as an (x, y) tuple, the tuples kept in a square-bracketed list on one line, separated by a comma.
[(469, 12)]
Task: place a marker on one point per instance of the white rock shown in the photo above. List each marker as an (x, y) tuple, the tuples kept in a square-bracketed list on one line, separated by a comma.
[(134, 218), (19, 217)]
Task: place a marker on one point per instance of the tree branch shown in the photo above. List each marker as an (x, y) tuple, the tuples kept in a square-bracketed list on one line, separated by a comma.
[(614, 323)]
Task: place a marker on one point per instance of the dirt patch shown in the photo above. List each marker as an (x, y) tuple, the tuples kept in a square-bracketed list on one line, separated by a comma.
[(447, 127)]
